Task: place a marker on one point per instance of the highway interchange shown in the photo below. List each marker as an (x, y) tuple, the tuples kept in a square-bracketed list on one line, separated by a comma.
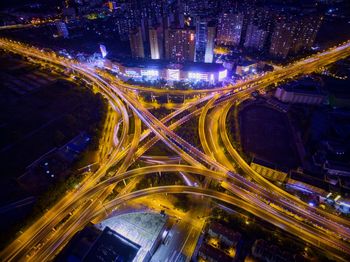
[(250, 191)]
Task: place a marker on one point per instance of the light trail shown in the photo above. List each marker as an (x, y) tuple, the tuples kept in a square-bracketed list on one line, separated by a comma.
[(182, 147)]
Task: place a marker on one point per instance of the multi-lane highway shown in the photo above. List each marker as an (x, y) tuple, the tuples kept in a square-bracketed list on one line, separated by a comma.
[(260, 197)]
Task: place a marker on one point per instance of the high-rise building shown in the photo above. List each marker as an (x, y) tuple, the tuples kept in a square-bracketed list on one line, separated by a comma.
[(229, 29), (156, 40), (255, 37), (179, 44), (306, 32), (62, 29), (282, 38), (136, 43), (209, 50), (201, 39), (293, 34), (257, 27), (128, 17)]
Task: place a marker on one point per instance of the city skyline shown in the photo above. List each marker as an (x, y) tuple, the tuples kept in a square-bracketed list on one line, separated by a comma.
[(175, 130)]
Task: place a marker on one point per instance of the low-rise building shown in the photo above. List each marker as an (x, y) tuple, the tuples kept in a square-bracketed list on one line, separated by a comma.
[(142, 228), (269, 170), (226, 235), (305, 91), (263, 250), (211, 254), (246, 67), (335, 168), (150, 70), (91, 244)]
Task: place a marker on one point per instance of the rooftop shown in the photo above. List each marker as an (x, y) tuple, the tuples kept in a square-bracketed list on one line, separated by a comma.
[(304, 85), (111, 246), (268, 164), (212, 252), (220, 229), (141, 228), (162, 64)]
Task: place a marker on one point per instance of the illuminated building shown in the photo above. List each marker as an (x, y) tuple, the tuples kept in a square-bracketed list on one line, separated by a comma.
[(179, 44), (229, 29), (257, 27), (293, 34), (127, 19), (152, 70), (201, 39), (103, 51), (136, 43), (146, 230), (112, 5), (156, 42), (282, 37), (205, 36), (62, 29), (209, 50), (246, 67), (255, 37), (306, 33)]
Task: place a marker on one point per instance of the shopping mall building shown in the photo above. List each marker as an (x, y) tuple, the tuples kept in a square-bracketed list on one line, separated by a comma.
[(155, 70)]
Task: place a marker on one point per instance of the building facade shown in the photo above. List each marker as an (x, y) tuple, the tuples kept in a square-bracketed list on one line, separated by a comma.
[(136, 43), (255, 38), (180, 44), (209, 50), (289, 95), (156, 42), (293, 34), (201, 39), (192, 72), (229, 29)]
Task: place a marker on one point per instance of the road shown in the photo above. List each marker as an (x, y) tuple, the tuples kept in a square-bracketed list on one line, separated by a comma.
[(270, 202)]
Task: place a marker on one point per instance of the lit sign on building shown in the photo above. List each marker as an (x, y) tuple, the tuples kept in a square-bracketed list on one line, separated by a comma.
[(131, 73), (150, 73), (173, 74), (198, 76), (222, 75), (103, 51)]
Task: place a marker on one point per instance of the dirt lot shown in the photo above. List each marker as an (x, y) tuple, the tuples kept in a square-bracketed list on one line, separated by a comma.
[(266, 134)]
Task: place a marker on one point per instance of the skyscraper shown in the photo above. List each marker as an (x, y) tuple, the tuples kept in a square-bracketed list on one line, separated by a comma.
[(128, 18), (156, 37), (306, 32), (209, 50), (257, 27), (293, 34), (179, 44), (229, 29), (255, 37), (201, 39), (136, 43)]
